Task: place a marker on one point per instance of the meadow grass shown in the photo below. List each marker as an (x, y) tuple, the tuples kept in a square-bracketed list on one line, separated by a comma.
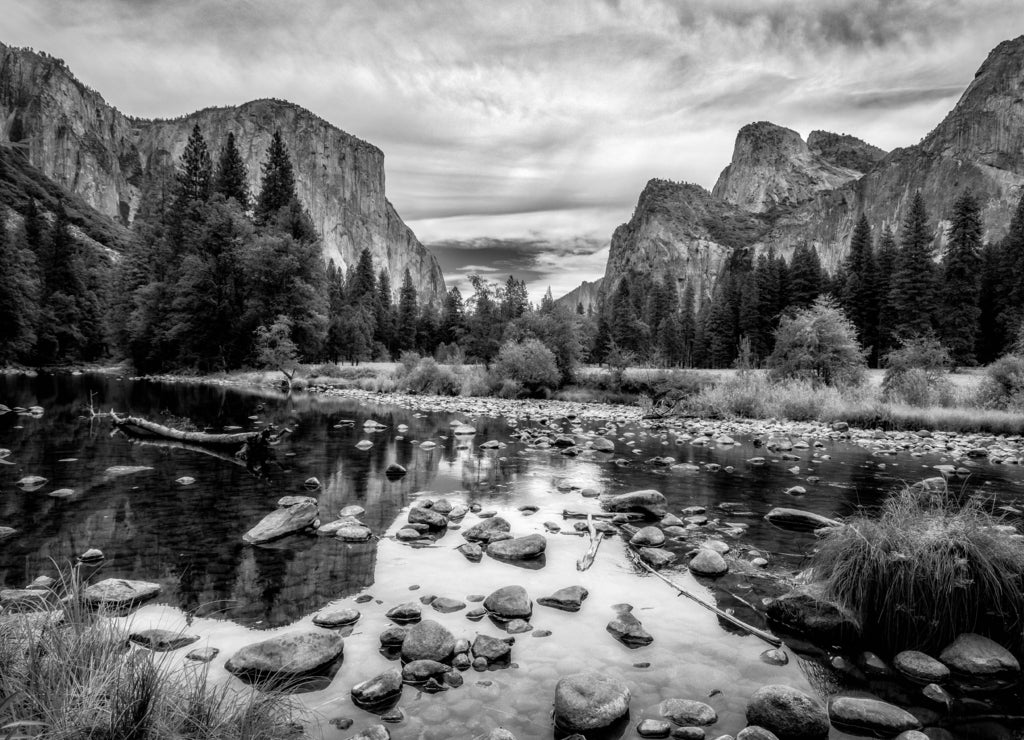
[(930, 566), (68, 672)]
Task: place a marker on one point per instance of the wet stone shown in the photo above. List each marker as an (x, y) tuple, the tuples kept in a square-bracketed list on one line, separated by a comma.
[(393, 636), (708, 563), (472, 552), (203, 655), (330, 618), (491, 649), (161, 640), (690, 733), (405, 613), (509, 602), (979, 657), (378, 690), (518, 626), (755, 732), (653, 728), (629, 630), (870, 716), (569, 599), (687, 712), (589, 701), (648, 537), (519, 548), (418, 671), (920, 667), (774, 656), (657, 558), (428, 640), (787, 712), (446, 605)]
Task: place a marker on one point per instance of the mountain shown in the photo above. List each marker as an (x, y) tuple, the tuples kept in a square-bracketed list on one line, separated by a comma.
[(779, 191), (73, 136), (585, 295)]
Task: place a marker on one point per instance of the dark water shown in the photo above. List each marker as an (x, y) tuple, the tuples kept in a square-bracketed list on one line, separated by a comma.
[(188, 538)]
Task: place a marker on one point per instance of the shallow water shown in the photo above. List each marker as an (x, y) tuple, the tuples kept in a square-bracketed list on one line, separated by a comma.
[(188, 538)]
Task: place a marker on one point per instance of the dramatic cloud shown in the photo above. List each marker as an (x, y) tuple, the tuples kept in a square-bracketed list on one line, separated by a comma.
[(491, 110)]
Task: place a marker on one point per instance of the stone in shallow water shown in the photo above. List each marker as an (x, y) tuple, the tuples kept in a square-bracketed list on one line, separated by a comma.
[(203, 655), (518, 626), (774, 656), (648, 501), (870, 716), (789, 713), (446, 605), (281, 522), (755, 732), (519, 548), (373, 732), (657, 558), (653, 728), (428, 640), (378, 690), (687, 712), (979, 657), (568, 599), (162, 640), (472, 552), (509, 602), (648, 537), (487, 530), (429, 517), (290, 654), (920, 667), (492, 649), (628, 629), (119, 592), (693, 733), (335, 617), (393, 636), (708, 563), (419, 671), (589, 701), (410, 611), (353, 533)]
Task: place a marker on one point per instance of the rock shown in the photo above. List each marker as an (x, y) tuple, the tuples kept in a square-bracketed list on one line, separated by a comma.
[(708, 563), (789, 713), (335, 617), (487, 530), (493, 649), (629, 630), (162, 641), (353, 533), (799, 520), (805, 611), (428, 640), (774, 656), (862, 716), (31, 483), (653, 728), (688, 712), (203, 655), (568, 599), (589, 701), (603, 444), (975, 656), (394, 471), (657, 558), (393, 636), (419, 671), (353, 510), (755, 732), (119, 593), (185, 480), (405, 613), (407, 535), (648, 537), (281, 522), (520, 548), (518, 626), (920, 667), (312, 483), (509, 602), (446, 605), (423, 515), (286, 501), (499, 733), (648, 501), (471, 551), (92, 555), (373, 732), (290, 654)]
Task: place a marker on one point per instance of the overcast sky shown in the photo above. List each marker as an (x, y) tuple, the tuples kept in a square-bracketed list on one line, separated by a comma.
[(534, 123)]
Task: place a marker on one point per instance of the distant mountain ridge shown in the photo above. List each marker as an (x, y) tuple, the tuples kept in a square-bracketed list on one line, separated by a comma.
[(779, 191), (71, 135)]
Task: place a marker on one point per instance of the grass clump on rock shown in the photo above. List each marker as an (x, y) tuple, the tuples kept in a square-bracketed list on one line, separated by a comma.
[(928, 568)]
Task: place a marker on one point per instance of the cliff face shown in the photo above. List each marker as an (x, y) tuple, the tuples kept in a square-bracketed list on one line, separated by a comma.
[(585, 295), (74, 137), (814, 192)]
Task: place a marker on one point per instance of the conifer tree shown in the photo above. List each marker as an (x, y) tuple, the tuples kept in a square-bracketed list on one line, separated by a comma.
[(547, 302), (885, 267), (622, 317), (277, 187), (453, 317), (232, 177), (857, 295), (19, 298), (992, 301), (688, 325), (1011, 291), (805, 277), (363, 281), (720, 327), (913, 289), (514, 299), (384, 312), (407, 313), (195, 178), (962, 280)]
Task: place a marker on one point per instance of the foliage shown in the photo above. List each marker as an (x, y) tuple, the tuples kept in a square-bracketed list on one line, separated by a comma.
[(818, 344), (857, 295), (1004, 383), (277, 186), (931, 566), (529, 363), (425, 376), (275, 348), (232, 179), (915, 373), (913, 287), (19, 299), (961, 283)]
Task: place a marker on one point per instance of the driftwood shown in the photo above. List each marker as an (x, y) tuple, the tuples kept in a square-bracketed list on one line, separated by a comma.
[(175, 445), (736, 622), (595, 542), (569, 514)]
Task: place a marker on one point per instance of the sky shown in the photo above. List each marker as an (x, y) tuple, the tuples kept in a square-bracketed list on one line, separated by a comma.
[(518, 134)]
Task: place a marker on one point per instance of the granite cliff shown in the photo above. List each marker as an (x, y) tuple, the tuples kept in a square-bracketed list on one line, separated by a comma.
[(74, 137), (779, 191), (585, 295)]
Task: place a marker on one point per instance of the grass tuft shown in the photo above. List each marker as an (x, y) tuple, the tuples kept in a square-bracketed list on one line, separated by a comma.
[(929, 567)]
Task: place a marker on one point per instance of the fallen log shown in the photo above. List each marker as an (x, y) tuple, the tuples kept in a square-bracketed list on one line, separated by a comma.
[(605, 516), (595, 542), (145, 428)]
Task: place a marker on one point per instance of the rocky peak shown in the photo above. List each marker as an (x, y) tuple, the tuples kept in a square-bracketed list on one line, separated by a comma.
[(844, 150), (773, 167), (586, 295)]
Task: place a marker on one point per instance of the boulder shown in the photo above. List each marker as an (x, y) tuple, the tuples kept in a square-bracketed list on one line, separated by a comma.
[(920, 667), (808, 613), (492, 649), (568, 599), (653, 728), (283, 521), (411, 611), (589, 701), (629, 630), (379, 690), (657, 558), (487, 530), (648, 501), (353, 533), (708, 563), (428, 640), (471, 551), (603, 444), (975, 656), (688, 713), (335, 617), (419, 671), (648, 537), (861, 716), (789, 713), (119, 592), (509, 602), (393, 636), (520, 548), (290, 654), (423, 515), (162, 641)]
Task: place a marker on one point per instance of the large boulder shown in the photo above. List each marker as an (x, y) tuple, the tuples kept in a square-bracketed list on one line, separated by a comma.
[(287, 655), (379, 690), (649, 502), (789, 713), (118, 592), (861, 716), (489, 529), (976, 656), (589, 701), (509, 602), (521, 548), (283, 521), (807, 612), (428, 640)]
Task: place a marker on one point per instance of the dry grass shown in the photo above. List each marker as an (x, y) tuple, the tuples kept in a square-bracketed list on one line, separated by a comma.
[(929, 567)]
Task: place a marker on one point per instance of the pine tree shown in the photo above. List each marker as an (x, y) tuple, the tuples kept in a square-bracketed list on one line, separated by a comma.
[(232, 178), (195, 177), (913, 289), (991, 335), (514, 299), (277, 188), (547, 303), (688, 325), (720, 327), (805, 277), (885, 269), (453, 317), (384, 313), (1011, 317), (962, 280), (622, 317), (407, 313), (363, 281), (19, 298), (857, 296)]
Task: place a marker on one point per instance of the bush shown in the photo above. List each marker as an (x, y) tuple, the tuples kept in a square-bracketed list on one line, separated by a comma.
[(818, 344), (1004, 383), (327, 370), (430, 378), (915, 374), (926, 569), (529, 363)]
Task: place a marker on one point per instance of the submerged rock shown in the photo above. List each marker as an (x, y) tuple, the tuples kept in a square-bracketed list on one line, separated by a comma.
[(492, 649), (335, 617), (118, 592), (629, 630), (805, 611), (589, 701), (471, 551), (487, 530), (287, 655), (162, 641), (378, 690), (405, 613), (789, 713), (688, 713), (657, 558)]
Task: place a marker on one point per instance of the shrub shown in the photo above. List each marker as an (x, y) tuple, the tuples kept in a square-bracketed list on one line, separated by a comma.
[(529, 363), (915, 374), (1004, 383), (429, 377), (327, 370), (818, 344), (926, 569)]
